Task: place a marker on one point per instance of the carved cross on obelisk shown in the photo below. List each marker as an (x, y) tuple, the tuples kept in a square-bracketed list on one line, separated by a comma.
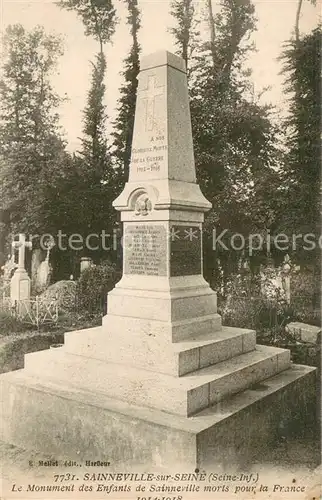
[(150, 94)]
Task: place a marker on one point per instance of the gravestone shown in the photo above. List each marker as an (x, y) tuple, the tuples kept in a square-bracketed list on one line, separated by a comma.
[(303, 332), (44, 271), (286, 274), (20, 281), (36, 259), (85, 263), (161, 384)]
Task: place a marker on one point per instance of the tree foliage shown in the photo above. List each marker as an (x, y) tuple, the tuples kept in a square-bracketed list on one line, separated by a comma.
[(95, 182), (31, 145), (300, 204), (99, 20), (94, 142), (236, 148), (98, 17), (185, 32), (123, 126)]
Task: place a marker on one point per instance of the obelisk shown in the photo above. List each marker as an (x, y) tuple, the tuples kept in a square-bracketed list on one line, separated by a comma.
[(162, 297)]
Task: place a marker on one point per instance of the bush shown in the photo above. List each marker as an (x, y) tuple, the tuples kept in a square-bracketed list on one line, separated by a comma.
[(63, 292), (68, 321), (93, 286), (306, 309), (10, 324), (258, 313), (13, 350)]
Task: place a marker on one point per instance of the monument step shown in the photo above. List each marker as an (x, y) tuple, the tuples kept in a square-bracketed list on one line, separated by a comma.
[(69, 422), (84, 332), (170, 331), (185, 395), (178, 358), (172, 306)]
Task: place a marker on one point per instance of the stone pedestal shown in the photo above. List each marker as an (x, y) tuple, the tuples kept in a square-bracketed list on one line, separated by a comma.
[(67, 420), (20, 287), (161, 382)]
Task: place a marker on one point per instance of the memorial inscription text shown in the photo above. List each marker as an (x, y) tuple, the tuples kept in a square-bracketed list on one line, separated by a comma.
[(151, 157), (145, 249)]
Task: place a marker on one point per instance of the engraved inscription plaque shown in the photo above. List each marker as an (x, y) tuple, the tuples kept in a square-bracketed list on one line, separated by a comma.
[(24, 291), (145, 249), (185, 250)]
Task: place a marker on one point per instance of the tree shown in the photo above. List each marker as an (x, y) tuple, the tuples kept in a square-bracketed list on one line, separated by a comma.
[(185, 31), (98, 17), (30, 137), (97, 178), (300, 203), (126, 104), (94, 143), (298, 16), (236, 148)]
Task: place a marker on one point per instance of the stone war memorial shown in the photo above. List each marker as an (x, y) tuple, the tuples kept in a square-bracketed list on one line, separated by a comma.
[(161, 384)]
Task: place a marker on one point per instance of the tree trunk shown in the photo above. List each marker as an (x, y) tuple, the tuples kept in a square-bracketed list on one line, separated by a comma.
[(297, 20), (211, 22), (186, 37)]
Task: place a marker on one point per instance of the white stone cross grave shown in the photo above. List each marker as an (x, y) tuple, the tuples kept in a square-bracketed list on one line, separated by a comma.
[(21, 245), (20, 281)]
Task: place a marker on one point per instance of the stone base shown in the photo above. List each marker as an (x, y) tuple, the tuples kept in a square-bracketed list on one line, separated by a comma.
[(20, 286), (69, 422), (143, 350), (185, 396)]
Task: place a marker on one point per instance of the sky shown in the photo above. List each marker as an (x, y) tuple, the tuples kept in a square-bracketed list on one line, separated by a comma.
[(275, 25)]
